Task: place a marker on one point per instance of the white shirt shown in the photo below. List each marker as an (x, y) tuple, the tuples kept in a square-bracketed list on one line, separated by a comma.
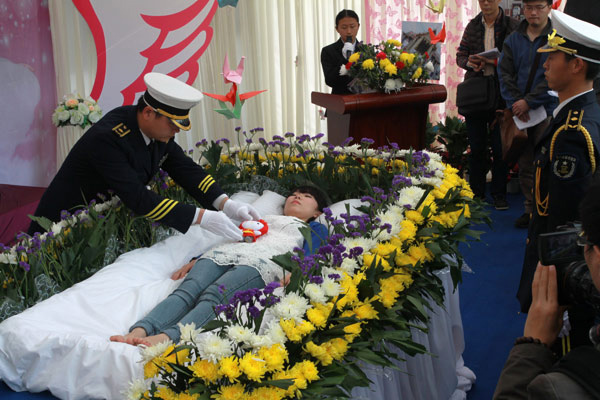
[(564, 103)]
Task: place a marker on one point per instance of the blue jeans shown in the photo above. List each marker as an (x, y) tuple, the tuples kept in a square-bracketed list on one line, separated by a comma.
[(477, 131), (197, 296)]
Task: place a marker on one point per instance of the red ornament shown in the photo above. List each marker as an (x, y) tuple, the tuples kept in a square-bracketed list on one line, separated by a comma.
[(381, 55)]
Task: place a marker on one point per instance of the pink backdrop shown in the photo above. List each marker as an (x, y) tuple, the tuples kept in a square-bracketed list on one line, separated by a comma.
[(27, 94)]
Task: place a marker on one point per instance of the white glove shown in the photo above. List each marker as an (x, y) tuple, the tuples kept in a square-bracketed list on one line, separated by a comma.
[(347, 47), (219, 224), (240, 211)]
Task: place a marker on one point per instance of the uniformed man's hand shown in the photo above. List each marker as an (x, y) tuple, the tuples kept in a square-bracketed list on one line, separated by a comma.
[(220, 224), (240, 211)]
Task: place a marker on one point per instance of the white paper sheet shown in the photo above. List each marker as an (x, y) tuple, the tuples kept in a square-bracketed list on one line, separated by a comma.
[(535, 117)]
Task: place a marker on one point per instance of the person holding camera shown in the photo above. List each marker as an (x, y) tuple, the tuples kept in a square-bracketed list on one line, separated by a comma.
[(532, 370), (566, 154)]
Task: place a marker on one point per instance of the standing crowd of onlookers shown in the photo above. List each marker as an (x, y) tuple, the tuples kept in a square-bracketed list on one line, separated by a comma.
[(543, 75)]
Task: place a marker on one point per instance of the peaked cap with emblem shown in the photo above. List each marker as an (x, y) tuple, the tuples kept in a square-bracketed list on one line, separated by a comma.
[(171, 97), (573, 36)]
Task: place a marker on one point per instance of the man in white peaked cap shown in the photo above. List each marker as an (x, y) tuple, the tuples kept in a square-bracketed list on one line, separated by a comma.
[(566, 154), (126, 148)]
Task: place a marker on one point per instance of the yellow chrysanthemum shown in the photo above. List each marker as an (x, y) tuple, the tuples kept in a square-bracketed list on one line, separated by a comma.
[(420, 253), (414, 216), (275, 356), (408, 230), (368, 64), (339, 348), (373, 260), (384, 249), (391, 69), (253, 366), (394, 42), (229, 367), (384, 63), (206, 370), (317, 317), (417, 74), (165, 393), (266, 393), (407, 58), (232, 392), (354, 57), (319, 352), (365, 311)]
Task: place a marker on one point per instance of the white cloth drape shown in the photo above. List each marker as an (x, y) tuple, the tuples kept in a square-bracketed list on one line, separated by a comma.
[(281, 40)]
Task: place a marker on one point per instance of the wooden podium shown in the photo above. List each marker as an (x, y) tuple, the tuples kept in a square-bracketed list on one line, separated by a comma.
[(399, 117)]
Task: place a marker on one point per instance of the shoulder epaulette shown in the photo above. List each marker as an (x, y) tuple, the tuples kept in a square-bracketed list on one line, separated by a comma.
[(573, 122), (121, 129)]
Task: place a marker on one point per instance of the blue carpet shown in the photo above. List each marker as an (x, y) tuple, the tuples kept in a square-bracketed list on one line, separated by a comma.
[(489, 308), (488, 304)]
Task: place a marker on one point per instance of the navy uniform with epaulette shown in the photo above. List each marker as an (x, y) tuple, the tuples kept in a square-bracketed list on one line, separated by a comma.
[(112, 155), (566, 159)]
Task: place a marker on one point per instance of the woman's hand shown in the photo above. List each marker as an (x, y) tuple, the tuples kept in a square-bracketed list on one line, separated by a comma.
[(181, 272), (544, 320)]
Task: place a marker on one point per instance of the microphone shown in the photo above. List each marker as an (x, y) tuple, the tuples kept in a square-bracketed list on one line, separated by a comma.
[(348, 52)]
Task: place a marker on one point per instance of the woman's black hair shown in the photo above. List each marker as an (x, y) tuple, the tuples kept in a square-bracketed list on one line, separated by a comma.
[(344, 14), (317, 193), (589, 212)]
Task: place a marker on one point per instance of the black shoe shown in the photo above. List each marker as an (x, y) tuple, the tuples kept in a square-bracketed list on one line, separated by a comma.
[(500, 203), (522, 222)]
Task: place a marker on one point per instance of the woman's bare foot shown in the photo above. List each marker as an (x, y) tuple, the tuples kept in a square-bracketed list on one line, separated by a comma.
[(134, 337)]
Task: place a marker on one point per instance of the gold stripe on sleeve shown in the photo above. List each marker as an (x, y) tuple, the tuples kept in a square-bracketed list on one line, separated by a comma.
[(165, 212), (159, 208)]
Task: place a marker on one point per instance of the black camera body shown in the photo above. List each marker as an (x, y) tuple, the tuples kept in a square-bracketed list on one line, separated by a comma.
[(560, 248)]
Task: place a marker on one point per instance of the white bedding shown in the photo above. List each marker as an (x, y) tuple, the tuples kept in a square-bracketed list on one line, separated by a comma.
[(62, 344)]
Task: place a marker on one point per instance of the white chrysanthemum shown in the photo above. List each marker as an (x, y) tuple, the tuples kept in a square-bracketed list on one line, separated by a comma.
[(136, 389), (258, 341), (429, 67), (239, 333), (189, 333), (433, 181), (365, 243), (255, 146), (399, 84), (214, 348), (315, 293), (149, 353), (330, 287), (352, 150), (326, 271), (349, 265), (343, 70), (100, 207), (390, 85), (275, 333), (55, 118), (8, 258), (371, 152), (292, 306), (410, 195), (393, 218)]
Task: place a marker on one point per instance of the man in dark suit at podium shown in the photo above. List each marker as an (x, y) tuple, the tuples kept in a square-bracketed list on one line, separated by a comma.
[(334, 56)]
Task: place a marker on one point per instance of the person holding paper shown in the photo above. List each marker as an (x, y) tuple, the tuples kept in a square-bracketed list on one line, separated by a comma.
[(483, 33), (335, 56), (521, 95), (567, 154)]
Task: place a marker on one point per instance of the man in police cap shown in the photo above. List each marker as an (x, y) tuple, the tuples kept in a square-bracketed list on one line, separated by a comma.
[(127, 147), (566, 154)]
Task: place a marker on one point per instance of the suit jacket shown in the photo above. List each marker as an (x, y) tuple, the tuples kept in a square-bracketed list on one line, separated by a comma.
[(331, 61), (563, 161), (112, 156)]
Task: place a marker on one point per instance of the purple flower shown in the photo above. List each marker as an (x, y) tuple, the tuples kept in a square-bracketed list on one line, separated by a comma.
[(64, 214), (191, 151), (318, 136), (238, 128), (289, 135), (262, 141), (221, 289), (254, 312), (316, 279), (271, 287), (277, 137), (367, 141), (401, 180), (249, 141), (24, 265), (334, 276), (347, 141), (223, 140)]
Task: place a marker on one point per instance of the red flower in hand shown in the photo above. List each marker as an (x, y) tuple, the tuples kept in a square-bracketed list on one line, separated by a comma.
[(381, 55), (399, 64), (348, 65)]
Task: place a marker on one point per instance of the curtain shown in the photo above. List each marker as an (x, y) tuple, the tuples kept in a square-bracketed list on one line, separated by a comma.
[(281, 40)]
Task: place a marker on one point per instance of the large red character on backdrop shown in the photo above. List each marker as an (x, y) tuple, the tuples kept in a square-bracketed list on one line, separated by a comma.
[(136, 37)]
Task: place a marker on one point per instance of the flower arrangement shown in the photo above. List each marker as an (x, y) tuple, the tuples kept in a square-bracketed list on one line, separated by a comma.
[(356, 299), (74, 110), (385, 67)]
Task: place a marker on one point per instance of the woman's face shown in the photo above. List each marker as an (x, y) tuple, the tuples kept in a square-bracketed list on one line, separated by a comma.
[(347, 26), (301, 205)]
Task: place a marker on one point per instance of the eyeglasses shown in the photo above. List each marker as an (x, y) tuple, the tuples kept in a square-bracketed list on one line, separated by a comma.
[(536, 8), (582, 239)]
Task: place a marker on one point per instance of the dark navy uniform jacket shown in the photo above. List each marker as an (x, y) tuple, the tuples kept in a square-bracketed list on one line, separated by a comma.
[(112, 155), (566, 159)]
